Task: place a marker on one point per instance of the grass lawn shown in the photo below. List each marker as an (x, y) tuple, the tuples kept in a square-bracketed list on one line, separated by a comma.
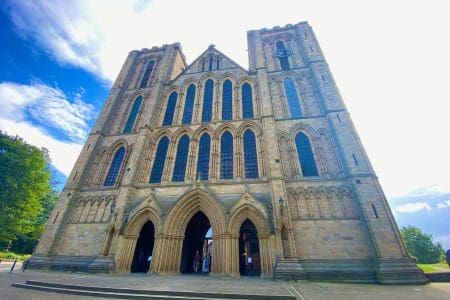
[(433, 268)]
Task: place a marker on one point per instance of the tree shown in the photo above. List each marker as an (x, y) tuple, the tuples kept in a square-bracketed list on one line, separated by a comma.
[(420, 245), (24, 181)]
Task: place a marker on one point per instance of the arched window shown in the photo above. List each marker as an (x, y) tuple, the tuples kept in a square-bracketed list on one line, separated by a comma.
[(247, 101), (160, 159), (170, 109), (283, 55), (226, 156), (250, 156), (207, 101), (306, 156), (181, 159), (203, 157), (227, 100), (189, 105), (147, 73), (210, 66), (132, 116), (114, 170), (292, 98)]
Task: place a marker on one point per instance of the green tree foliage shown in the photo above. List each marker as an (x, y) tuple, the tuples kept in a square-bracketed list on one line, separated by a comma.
[(24, 183), (420, 245)]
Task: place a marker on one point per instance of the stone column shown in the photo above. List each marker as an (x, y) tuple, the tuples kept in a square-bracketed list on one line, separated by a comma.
[(124, 257)]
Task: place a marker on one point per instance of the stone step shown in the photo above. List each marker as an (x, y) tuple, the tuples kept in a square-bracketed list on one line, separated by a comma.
[(124, 293)]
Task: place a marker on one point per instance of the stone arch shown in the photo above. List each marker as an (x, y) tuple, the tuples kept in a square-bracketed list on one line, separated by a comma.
[(224, 127), (180, 132), (248, 211), (141, 217), (286, 155), (249, 125), (251, 212), (187, 206), (161, 133), (226, 76), (202, 129)]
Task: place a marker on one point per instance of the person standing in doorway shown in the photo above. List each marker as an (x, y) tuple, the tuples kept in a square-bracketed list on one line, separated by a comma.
[(197, 260), (206, 263)]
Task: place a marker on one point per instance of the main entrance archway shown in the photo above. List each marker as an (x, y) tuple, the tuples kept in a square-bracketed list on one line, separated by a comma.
[(144, 248), (195, 240), (249, 256)]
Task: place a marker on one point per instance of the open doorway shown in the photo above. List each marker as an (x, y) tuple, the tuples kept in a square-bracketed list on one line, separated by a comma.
[(144, 249), (249, 258), (197, 242)]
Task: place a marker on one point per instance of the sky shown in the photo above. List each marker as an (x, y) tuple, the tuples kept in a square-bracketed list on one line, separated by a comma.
[(390, 60)]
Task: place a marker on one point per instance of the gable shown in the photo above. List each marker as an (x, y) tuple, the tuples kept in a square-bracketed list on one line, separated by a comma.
[(211, 60)]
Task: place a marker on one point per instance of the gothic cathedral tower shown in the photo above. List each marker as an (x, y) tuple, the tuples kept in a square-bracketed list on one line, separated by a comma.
[(262, 169)]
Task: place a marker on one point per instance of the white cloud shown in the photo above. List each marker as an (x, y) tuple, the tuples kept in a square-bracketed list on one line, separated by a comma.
[(51, 107), (394, 86), (64, 28), (444, 204), (48, 105), (62, 154), (412, 207)]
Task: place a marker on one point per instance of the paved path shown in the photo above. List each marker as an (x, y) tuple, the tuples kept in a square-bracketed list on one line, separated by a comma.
[(303, 291)]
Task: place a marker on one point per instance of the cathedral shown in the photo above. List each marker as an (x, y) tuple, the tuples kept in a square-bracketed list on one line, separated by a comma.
[(261, 170)]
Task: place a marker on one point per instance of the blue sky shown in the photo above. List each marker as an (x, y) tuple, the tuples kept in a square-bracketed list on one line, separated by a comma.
[(390, 60)]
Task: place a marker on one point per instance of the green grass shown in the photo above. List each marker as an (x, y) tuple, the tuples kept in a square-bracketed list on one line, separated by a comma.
[(433, 268), (12, 255)]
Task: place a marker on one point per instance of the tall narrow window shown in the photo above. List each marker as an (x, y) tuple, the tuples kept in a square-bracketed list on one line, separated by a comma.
[(203, 157), (132, 116), (306, 156), (247, 101), (207, 101), (250, 156), (227, 100), (189, 105), (181, 159), (147, 73), (160, 159), (170, 109), (283, 55), (226, 156), (210, 66), (292, 97), (114, 170)]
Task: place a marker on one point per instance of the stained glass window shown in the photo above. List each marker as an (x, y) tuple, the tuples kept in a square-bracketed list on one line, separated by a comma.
[(250, 156), (160, 159), (189, 105), (114, 169), (207, 101), (203, 157), (247, 101), (170, 109), (306, 156), (181, 159), (227, 100), (147, 73), (133, 114), (226, 156), (292, 97)]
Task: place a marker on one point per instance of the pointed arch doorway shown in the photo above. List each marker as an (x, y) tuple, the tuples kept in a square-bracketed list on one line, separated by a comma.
[(144, 248), (249, 256), (197, 237)]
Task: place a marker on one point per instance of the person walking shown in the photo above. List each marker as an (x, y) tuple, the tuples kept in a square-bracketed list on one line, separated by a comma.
[(196, 263)]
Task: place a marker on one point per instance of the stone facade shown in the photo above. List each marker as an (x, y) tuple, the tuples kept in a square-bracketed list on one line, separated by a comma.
[(334, 225)]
